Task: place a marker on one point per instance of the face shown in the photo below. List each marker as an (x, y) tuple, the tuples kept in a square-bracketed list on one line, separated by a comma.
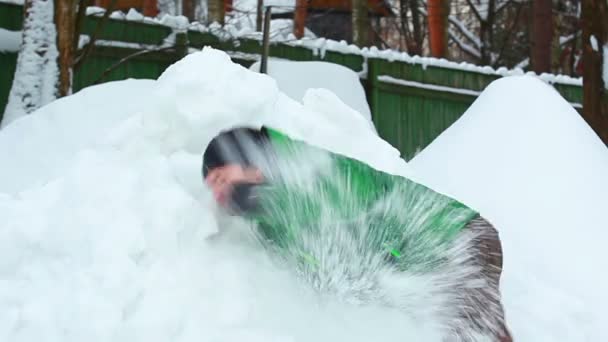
[(222, 179)]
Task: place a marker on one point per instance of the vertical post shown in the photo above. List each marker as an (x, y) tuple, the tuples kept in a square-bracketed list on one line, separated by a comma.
[(299, 18), (437, 17), (216, 11), (542, 32), (188, 9), (594, 20), (65, 23), (360, 22), (259, 16), (181, 44), (266, 41)]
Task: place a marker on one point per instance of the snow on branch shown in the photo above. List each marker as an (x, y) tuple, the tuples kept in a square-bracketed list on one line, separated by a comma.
[(463, 46), (475, 10), (465, 31)]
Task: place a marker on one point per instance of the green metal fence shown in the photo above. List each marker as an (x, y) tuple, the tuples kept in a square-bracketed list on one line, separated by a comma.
[(411, 103), (11, 18)]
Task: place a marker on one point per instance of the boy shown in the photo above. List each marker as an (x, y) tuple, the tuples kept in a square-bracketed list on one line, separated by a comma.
[(233, 166)]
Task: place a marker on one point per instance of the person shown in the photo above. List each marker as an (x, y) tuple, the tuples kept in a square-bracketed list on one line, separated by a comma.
[(235, 163)]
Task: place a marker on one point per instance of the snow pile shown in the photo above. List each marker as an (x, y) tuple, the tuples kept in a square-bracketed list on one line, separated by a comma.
[(109, 234), (64, 128), (37, 73), (533, 167), (295, 78), (9, 40)]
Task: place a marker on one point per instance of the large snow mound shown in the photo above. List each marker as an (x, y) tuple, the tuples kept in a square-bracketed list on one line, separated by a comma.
[(109, 234), (37, 147), (296, 78), (528, 161)]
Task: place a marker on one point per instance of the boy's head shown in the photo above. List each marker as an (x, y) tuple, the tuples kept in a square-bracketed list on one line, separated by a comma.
[(229, 168)]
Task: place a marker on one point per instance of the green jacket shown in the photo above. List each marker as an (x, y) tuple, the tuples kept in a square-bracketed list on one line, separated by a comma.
[(345, 201)]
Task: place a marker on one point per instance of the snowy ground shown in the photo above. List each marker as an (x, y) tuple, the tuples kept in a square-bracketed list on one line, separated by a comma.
[(108, 234)]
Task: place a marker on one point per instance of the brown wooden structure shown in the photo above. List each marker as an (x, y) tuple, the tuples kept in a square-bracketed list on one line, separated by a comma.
[(332, 19)]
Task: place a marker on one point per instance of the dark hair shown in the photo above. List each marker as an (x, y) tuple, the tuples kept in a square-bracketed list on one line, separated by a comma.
[(235, 146)]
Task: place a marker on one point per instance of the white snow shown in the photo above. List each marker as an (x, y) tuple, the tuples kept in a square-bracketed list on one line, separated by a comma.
[(529, 162), (65, 127), (593, 42), (389, 79), (295, 78), (94, 10), (10, 41), (134, 15), (118, 15), (108, 233), (36, 75)]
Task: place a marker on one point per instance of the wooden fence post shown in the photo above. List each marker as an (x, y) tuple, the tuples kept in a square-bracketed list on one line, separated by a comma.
[(266, 41), (299, 18), (181, 44)]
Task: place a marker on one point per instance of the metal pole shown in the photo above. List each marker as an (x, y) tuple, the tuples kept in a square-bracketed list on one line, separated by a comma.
[(260, 13), (266, 41)]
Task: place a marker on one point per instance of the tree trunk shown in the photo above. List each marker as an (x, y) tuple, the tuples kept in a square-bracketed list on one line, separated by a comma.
[(438, 11), (216, 11), (542, 35), (417, 46), (35, 81), (65, 23), (150, 8), (188, 9), (299, 18), (594, 19), (361, 24)]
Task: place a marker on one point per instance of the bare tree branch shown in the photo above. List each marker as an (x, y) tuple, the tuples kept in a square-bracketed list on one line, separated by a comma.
[(475, 10), (468, 49), (465, 31), (91, 45), (510, 32), (126, 59)]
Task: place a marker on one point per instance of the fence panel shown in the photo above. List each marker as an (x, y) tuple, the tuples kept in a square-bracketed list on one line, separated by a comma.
[(410, 115)]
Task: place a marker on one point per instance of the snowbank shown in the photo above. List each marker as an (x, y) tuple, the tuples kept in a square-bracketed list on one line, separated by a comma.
[(295, 78), (108, 233), (531, 164), (38, 147)]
